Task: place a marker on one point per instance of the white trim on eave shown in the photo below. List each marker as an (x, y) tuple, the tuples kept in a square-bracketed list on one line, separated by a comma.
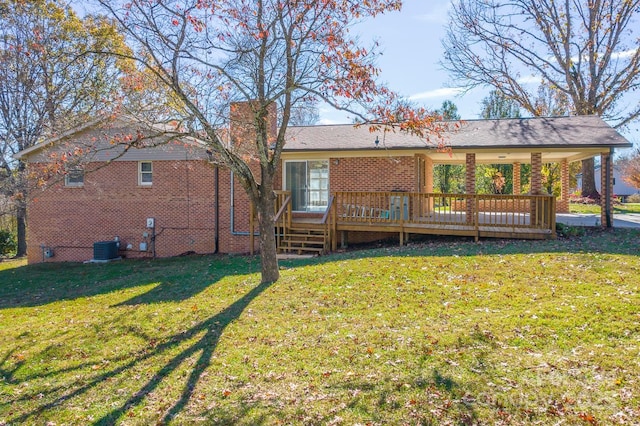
[(69, 133), (124, 119)]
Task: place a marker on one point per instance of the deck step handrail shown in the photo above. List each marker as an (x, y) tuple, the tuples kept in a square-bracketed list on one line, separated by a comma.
[(283, 208), (328, 210), (282, 218)]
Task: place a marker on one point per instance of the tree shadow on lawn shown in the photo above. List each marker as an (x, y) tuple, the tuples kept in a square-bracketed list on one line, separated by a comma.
[(449, 401), (205, 346), (41, 284)]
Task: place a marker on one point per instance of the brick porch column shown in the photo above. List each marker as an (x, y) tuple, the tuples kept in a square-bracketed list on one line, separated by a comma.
[(536, 183), (606, 190), (563, 203), (516, 179), (470, 185)]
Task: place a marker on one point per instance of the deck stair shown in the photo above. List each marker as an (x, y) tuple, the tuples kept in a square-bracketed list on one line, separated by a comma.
[(304, 238)]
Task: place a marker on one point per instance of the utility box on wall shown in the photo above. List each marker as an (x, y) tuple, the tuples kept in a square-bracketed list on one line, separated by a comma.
[(105, 250)]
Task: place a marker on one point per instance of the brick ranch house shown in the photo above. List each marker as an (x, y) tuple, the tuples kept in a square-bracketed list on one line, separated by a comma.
[(338, 183)]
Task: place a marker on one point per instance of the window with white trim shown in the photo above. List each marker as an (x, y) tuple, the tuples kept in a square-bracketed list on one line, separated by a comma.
[(145, 173), (74, 177), (308, 182)]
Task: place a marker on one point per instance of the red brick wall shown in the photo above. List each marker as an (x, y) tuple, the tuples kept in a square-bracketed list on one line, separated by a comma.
[(182, 201), (111, 203), (230, 243), (372, 174)]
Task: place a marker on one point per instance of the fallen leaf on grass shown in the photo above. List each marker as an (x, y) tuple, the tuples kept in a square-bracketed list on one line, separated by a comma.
[(588, 418)]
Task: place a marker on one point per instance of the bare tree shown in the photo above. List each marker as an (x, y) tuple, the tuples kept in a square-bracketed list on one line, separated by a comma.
[(304, 114), (47, 84), (586, 49), (266, 53)]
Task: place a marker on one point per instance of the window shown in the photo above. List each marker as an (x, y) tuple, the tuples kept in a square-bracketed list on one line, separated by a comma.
[(145, 173), (308, 182), (74, 177)]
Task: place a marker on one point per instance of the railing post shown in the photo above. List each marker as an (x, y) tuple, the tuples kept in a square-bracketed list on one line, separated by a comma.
[(476, 216), (334, 224), (401, 203), (552, 212)]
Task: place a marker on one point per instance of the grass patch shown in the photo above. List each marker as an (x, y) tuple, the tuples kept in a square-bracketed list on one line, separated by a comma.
[(455, 332), (618, 208)]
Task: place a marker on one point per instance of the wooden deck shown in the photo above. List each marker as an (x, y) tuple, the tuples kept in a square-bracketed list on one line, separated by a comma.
[(404, 213)]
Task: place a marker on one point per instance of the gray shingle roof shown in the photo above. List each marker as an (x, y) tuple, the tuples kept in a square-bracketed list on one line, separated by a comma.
[(540, 132)]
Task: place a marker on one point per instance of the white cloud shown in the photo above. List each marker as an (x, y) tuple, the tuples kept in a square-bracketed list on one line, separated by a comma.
[(437, 93), (625, 54), (530, 79), (330, 115), (326, 121)]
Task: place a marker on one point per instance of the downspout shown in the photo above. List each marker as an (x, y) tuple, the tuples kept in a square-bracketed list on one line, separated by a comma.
[(607, 201), (216, 184)]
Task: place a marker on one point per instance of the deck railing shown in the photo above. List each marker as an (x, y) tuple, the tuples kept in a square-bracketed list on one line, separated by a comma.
[(466, 210), (411, 212)]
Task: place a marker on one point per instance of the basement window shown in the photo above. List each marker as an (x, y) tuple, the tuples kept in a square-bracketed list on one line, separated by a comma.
[(74, 178), (145, 173)]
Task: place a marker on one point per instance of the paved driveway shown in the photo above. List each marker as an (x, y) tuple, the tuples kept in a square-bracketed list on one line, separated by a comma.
[(628, 220)]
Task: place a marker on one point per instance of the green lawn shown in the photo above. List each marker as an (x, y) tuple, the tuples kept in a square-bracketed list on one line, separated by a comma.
[(593, 208), (447, 332)]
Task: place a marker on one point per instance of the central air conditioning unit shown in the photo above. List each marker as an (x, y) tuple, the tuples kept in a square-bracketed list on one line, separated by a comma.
[(105, 250)]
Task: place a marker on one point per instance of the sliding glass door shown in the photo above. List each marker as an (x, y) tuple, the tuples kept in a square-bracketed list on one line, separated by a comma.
[(308, 182)]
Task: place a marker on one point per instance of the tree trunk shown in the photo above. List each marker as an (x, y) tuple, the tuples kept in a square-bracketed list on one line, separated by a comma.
[(21, 233), (589, 180), (268, 249)]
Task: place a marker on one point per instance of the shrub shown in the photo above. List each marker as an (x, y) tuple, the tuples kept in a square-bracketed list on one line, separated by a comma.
[(582, 200), (568, 231), (635, 198), (8, 243)]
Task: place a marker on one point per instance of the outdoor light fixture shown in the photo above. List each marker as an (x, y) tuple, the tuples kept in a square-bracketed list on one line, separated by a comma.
[(377, 141)]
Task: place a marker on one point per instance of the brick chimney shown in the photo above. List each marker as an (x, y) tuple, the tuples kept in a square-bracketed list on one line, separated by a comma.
[(242, 126)]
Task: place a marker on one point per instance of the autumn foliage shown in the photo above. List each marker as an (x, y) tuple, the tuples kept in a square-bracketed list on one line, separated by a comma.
[(631, 169)]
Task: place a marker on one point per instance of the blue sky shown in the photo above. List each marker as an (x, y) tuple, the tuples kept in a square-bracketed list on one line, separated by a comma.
[(410, 41)]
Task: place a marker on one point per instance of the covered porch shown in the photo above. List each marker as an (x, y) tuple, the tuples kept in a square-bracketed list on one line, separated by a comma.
[(346, 183)]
